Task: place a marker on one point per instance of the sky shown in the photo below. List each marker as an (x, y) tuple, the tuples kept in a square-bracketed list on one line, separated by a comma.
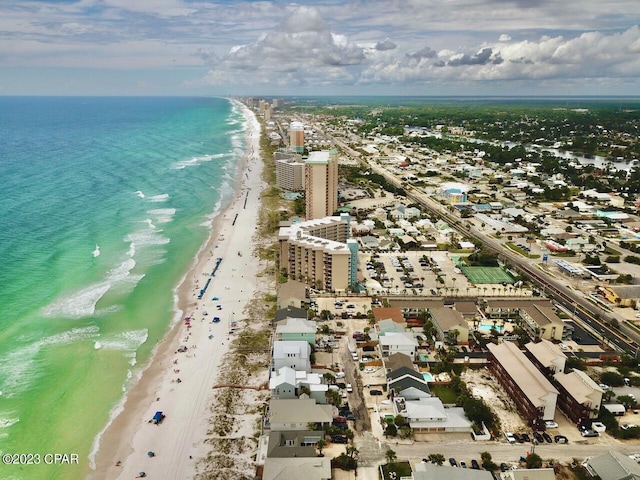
[(324, 47)]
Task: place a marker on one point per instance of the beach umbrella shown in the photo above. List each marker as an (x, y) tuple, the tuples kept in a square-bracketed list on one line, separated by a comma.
[(151, 454)]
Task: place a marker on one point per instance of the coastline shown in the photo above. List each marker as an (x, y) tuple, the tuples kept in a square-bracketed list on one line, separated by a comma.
[(179, 384)]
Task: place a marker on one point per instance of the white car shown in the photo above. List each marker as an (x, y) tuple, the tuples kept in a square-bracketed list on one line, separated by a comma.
[(349, 388), (510, 438), (339, 375), (550, 424)]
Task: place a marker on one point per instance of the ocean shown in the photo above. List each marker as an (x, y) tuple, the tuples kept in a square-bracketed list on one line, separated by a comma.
[(105, 203)]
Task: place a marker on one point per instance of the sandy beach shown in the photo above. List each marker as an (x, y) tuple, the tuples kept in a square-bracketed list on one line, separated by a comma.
[(180, 383)]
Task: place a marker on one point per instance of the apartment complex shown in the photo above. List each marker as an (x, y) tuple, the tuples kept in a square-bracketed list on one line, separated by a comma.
[(320, 253), (290, 171), (580, 397), (532, 393), (296, 137), (321, 184)]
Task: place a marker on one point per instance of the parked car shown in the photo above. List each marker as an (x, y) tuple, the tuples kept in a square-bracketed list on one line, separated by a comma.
[(349, 388), (452, 462), (504, 467), (518, 438), (538, 437), (339, 439), (550, 424), (375, 392), (561, 439), (589, 433), (463, 465), (475, 465), (526, 438), (510, 438), (547, 437)]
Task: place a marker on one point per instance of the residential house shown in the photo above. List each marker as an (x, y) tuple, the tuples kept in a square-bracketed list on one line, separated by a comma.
[(295, 414), (408, 384), (529, 474), (612, 465), (398, 342), (547, 356), (290, 311), (428, 415), (293, 443), (451, 325), (283, 383), (292, 329), (431, 471), (396, 361), (295, 355), (309, 468), (532, 393), (580, 397)]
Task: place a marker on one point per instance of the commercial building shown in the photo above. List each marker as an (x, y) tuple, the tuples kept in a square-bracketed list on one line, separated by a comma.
[(290, 171), (320, 253), (580, 397), (296, 137), (321, 184), (532, 393)]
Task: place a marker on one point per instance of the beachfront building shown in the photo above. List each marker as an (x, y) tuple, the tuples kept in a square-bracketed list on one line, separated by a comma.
[(580, 397), (320, 253), (290, 171), (289, 383), (296, 137), (450, 324), (296, 329), (532, 393), (321, 184), (297, 414), (295, 355), (547, 356)]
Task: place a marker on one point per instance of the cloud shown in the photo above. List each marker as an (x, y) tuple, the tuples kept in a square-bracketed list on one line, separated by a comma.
[(426, 52), (386, 45), (301, 49), (504, 38)]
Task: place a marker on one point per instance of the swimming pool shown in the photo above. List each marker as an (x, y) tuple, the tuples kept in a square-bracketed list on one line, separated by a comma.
[(488, 326), (427, 377)]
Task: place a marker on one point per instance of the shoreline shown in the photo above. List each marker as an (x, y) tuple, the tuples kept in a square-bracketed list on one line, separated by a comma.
[(179, 384)]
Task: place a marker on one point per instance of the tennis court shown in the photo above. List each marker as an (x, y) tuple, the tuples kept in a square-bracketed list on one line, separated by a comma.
[(480, 275)]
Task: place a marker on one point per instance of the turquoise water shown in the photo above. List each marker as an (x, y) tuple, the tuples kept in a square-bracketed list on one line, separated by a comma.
[(105, 201), (427, 377), (488, 326)]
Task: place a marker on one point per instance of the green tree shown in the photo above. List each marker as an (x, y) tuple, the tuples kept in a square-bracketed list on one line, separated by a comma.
[(534, 461), (391, 456), (391, 430), (436, 458), (613, 379), (487, 462), (627, 400), (320, 444)]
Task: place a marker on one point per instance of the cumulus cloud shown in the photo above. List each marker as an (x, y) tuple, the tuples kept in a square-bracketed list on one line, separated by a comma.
[(302, 49), (425, 52), (386, 45), (504, 38)]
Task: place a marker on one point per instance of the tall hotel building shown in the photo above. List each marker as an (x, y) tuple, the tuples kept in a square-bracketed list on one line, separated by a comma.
[(320, 253), (290, 171), (321, 184), (296, 137)]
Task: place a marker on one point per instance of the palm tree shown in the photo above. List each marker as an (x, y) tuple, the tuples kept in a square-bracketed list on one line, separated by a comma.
[(351, 451), (320, 444), (391, 456), (436, 458)]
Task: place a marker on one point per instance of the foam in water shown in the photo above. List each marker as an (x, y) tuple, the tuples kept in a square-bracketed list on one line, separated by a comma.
[(19, 367), (128, 341), (163, 197), (163, 215), (140, 194), (6, 422), (78, 304), (96, 252), (195, 161)]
